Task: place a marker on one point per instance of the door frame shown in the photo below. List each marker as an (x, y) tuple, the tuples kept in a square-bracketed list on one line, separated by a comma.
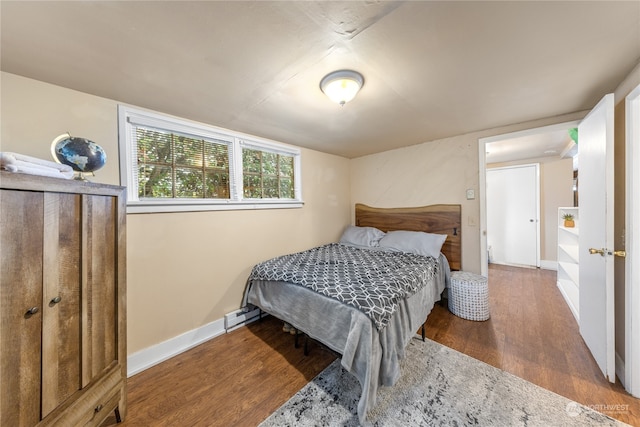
[(482, 166), (632, 244)]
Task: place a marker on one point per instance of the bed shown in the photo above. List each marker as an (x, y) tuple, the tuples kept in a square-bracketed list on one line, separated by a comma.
[(371, 344)]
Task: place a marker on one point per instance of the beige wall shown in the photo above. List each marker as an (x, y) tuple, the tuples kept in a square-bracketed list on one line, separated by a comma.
[(433, 172), (184, 269), (556, 190), (34, 113)]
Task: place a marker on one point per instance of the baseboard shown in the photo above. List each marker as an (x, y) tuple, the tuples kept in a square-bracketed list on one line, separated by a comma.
[(151, 356), (620, 370), (548, 265)]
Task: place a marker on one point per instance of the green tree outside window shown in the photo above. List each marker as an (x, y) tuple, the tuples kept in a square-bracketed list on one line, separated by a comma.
[(267, 175)]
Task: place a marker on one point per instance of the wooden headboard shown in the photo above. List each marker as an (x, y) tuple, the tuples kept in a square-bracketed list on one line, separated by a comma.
[(438, 219)]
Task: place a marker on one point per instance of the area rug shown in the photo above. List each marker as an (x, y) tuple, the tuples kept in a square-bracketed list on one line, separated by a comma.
[(438, 387)]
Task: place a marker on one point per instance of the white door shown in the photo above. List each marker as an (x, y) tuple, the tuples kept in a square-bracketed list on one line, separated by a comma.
[(512, 215), (596, 180)]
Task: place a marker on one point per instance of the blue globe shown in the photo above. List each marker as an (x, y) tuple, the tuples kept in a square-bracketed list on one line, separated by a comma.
[(79, 153)]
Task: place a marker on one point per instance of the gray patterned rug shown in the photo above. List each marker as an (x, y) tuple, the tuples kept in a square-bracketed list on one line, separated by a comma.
[(438, 387)]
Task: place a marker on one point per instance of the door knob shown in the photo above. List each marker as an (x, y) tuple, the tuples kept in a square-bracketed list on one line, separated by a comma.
[(602, 252)]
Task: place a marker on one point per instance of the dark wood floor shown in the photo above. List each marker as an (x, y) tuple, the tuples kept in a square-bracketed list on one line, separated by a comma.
[(238, 379), (532, 334)]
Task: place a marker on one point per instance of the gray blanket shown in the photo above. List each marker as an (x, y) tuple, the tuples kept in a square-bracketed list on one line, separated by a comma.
[(372, 355), (372, 281)]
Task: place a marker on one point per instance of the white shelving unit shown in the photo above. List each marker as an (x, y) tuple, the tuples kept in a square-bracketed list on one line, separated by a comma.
[(568, 260)]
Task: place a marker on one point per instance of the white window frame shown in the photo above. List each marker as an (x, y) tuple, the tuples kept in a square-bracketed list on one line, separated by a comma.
[(129, 116)]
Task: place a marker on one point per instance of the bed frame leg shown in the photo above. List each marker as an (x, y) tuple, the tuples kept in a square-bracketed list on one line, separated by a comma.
[(306, 343), (422, 331)]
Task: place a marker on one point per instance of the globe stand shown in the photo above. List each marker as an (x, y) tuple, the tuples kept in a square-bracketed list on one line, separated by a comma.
[(81, 176)]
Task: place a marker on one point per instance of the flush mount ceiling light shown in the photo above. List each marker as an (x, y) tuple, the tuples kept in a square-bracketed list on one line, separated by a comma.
[(342, 86)]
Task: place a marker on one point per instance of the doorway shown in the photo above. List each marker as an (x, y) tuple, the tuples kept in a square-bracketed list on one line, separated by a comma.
[(522, 147), (513, 211)]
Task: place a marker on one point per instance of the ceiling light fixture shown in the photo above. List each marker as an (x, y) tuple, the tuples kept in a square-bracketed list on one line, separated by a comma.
[(342, 86)]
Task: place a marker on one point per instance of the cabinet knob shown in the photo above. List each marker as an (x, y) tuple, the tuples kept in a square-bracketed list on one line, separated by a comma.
[(55, 300), (98, 408), (31, 311)]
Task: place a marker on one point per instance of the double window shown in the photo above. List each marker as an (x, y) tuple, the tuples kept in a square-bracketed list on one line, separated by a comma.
[(170, 164)]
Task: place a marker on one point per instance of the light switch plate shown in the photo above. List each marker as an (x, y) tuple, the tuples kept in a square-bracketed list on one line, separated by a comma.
[(471, 194)]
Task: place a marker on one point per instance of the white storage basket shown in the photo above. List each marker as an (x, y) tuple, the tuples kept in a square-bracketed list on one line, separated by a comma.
[(469, 296)]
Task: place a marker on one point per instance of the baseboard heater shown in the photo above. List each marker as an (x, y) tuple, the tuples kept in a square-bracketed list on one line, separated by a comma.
[(240, 317)]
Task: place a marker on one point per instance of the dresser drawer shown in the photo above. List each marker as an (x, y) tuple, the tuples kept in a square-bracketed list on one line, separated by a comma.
[(93, 405), (102, 410)]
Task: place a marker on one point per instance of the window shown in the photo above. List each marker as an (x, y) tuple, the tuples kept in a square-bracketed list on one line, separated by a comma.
[(178, 166), (267, 174), (169, 164)]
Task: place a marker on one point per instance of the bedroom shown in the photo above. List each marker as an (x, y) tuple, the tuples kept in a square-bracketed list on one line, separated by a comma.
[(193, 255)]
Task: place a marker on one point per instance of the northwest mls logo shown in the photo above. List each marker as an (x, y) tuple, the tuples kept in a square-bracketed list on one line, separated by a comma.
[(573, 409)]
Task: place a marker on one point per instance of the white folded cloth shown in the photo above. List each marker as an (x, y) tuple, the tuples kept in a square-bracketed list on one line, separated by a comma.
[(20, 163)]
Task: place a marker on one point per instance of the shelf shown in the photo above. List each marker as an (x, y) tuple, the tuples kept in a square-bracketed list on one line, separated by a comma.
[(572, 251), (569, 285), (568, 258), (571, 230), (572, 270)]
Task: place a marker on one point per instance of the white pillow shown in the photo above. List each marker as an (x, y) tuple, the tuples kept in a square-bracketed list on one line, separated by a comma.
[(361, 236), (416, 242)]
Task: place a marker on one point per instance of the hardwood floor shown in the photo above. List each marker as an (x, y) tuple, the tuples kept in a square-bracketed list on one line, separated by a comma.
[(533, 335), (239, 378)]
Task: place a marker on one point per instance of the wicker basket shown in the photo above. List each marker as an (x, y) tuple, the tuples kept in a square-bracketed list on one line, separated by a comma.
[(469, 296)]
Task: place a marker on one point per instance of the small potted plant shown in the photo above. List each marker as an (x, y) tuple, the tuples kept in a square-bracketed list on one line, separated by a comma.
[(568, 220)]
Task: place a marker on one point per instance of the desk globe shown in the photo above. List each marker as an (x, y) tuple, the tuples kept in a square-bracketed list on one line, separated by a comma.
[(83, 155)]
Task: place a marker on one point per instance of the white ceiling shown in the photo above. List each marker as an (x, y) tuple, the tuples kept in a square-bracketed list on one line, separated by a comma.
[(432, 69), (550, 144)]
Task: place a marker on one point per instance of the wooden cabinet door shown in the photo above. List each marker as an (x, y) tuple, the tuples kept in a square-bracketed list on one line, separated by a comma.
[(21, 228), (61, 299), (99, 285)]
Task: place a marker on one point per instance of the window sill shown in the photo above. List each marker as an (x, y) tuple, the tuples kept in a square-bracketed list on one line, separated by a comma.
[(193, 206)]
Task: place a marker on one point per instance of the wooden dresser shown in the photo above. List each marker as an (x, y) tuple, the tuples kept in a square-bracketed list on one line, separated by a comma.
[(62, 301)]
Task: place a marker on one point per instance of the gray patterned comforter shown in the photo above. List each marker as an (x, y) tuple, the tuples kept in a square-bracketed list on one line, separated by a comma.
[(369, 280)]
